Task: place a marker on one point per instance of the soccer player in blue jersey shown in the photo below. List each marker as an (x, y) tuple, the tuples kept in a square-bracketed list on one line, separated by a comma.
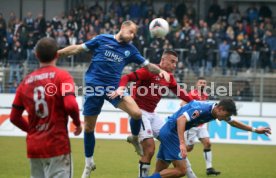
[(111, 53), (173, 148)]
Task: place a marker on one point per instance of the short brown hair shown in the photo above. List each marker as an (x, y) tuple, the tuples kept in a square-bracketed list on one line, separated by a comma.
[(46, 49), (201, 78), (171, 52)]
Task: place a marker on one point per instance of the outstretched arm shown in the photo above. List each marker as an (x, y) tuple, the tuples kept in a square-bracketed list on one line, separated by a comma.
[(240, 125), (181, 125), (156, 70), (70, 50)]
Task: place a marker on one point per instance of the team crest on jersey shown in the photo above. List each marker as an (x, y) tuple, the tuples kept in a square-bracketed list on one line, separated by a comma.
[(127, 53), (149, 131), (195, 114)]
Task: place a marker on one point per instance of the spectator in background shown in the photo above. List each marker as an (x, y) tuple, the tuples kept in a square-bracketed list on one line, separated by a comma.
[(210, 47), (234, 59), (180, 11), (41, 25), (252, 13), (15, 59), (265, 57), (215, 10), (234, 16), (192, 59), (3, 27), (265, 11), (61, 39), (13, 86), (29, 22), (244, 92), (224, 49)]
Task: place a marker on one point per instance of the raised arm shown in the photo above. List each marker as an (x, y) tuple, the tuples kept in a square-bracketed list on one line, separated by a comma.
[(71, 50), (240, 125), (140, 74), (181, 125), (156, 70)]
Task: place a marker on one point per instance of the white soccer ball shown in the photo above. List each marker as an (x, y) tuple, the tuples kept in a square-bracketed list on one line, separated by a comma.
[(159, 28)]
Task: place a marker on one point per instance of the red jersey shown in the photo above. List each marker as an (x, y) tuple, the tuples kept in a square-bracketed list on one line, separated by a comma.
[(47, 134), (150, 88), (198, 96)]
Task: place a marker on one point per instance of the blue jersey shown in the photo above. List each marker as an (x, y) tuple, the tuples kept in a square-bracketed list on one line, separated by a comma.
[(109, 59), (196, 113)]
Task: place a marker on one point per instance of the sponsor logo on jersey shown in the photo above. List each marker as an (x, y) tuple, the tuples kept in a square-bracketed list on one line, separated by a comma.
[(111, 56), (127, 53), (195, 114)]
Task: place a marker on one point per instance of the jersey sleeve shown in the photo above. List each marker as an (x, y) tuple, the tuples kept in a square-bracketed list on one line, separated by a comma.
[(17, 110), (91, 44), (192, 113), (139, 59), (140, 74), (178, 91)]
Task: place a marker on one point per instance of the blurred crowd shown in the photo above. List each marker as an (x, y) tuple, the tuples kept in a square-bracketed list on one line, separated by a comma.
[(226, 39)]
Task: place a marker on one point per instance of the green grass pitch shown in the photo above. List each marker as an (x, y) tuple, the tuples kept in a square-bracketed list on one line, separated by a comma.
[(117, 159)]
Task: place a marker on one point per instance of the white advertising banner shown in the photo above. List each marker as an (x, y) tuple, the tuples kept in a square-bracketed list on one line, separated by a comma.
[(114, 124)]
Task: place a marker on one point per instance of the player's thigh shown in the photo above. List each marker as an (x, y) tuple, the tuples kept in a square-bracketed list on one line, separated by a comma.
[(128, 105), (156, 124), (92, 104), (60, 167), (203, 133), (37, 169), (146, 130), (190, 136)]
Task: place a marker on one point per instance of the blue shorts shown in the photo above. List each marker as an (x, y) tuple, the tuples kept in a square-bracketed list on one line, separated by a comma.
[(169, 146), (94, 100)]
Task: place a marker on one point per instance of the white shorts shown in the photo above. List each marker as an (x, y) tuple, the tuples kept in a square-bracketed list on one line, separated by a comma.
[(151, 125), (196, 132), (55, 167)]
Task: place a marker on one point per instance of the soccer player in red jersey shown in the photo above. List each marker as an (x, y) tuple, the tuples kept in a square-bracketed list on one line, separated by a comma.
[(147, 93), (48, 96), (201, 132)]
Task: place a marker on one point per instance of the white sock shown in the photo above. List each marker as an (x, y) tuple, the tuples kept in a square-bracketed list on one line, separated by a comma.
[(88, 160), (189, 173), (144, 169), (208, 158)]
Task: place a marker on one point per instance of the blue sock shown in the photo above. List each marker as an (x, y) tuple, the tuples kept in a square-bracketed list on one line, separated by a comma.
[(89, 143), (135, 126), (155, 175)]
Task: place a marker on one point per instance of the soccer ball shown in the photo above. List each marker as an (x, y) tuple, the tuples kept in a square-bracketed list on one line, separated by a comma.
[(159, 28)]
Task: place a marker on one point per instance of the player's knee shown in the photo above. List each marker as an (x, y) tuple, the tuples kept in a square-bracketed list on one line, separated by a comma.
[(137, 114), (190, 148), (149, 148), (181, 172), (207, 145), (150, 152), (88, 128)]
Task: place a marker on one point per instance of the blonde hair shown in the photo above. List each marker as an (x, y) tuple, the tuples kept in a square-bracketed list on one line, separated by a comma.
[(129, 23)]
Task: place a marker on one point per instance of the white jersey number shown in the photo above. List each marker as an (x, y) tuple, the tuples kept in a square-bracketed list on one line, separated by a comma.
[(40, 101)]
